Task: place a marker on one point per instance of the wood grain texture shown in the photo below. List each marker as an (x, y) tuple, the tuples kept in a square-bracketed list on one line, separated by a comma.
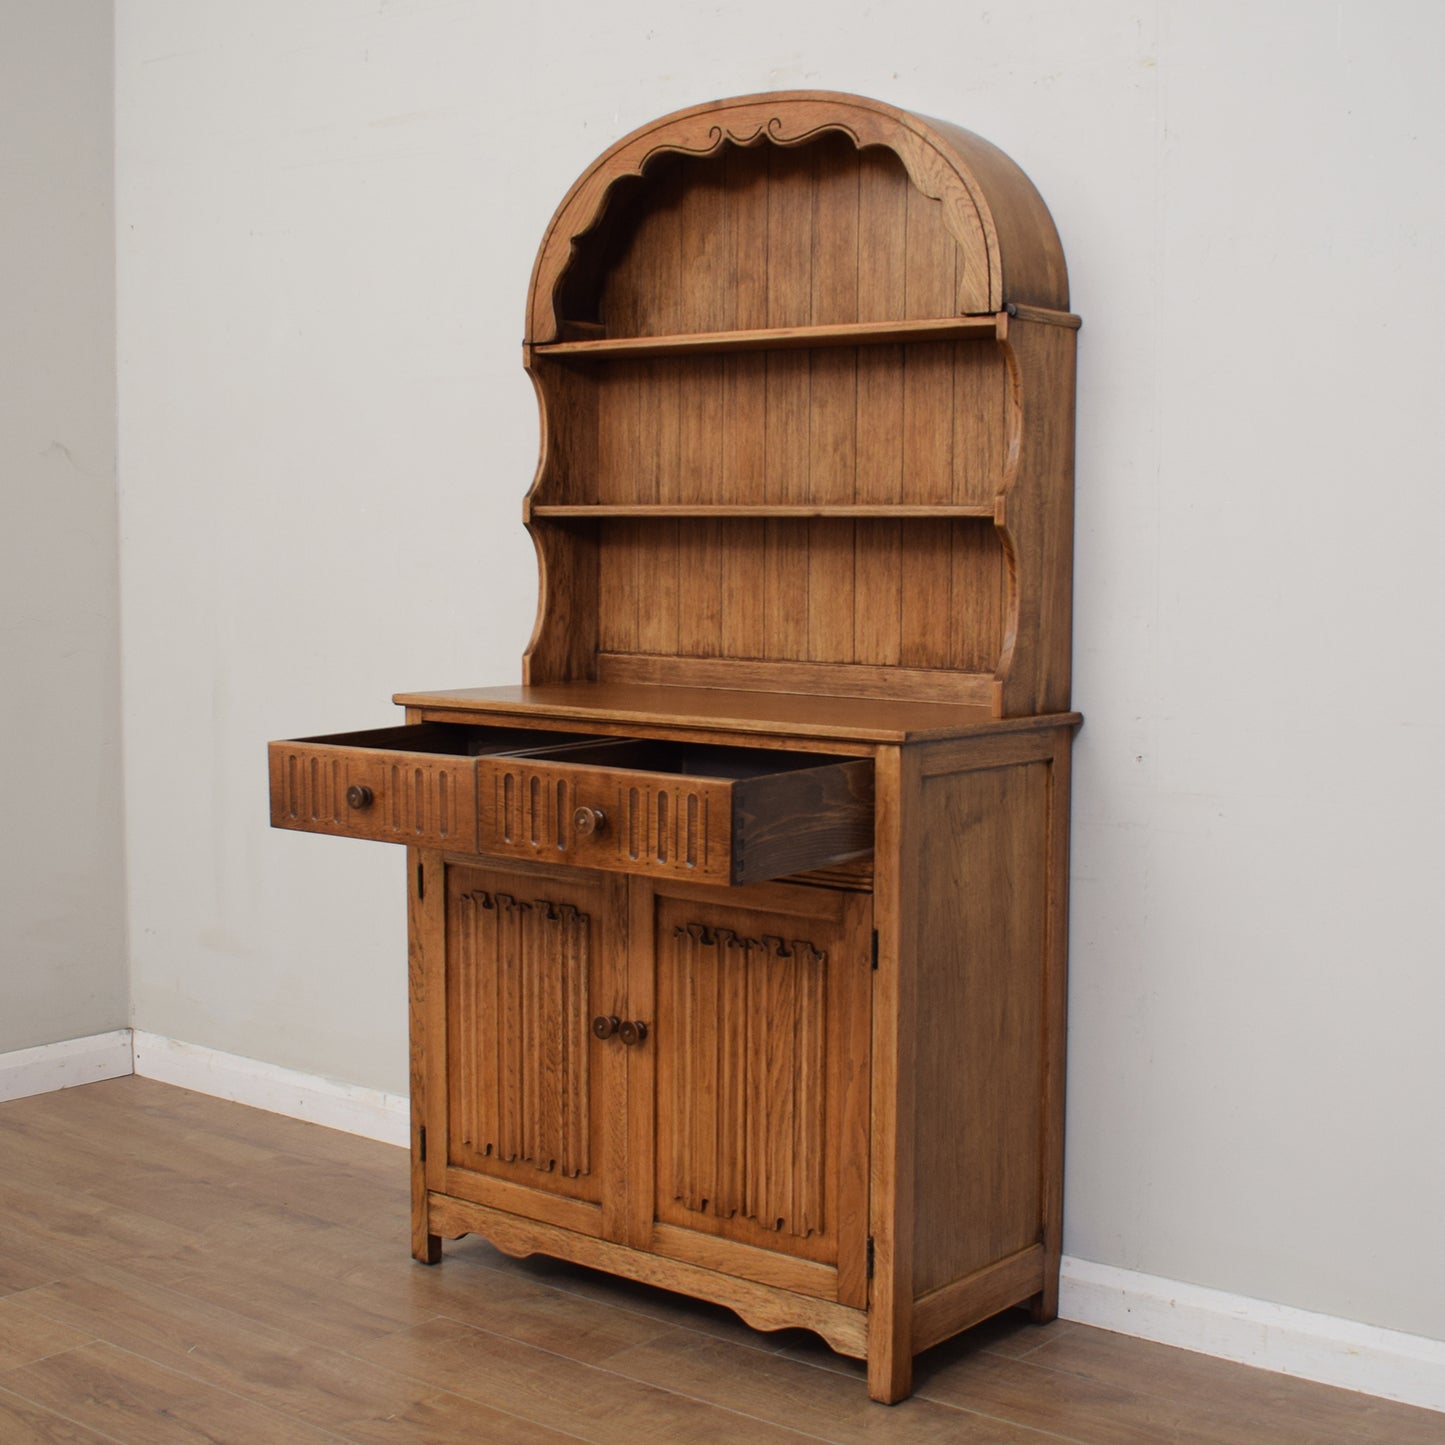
[(892, 1120), (727, 815), (761, 337), (981, 908), (424, 935), (760, 248), (762, 1306), (803, 426), (761, 1118), (666, 710), (524, 1089), (416, 798), (983, 199), (1038, 522)]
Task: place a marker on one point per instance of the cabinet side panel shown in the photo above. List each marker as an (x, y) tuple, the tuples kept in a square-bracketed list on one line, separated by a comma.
[(982, 940)]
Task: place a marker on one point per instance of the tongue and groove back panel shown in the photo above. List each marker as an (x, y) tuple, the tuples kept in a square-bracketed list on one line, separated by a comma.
[(822, 512)]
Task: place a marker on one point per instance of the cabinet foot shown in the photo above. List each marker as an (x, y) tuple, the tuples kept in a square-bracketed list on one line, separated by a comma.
[(1044, 1308), (427, 1249), (890, 1376)]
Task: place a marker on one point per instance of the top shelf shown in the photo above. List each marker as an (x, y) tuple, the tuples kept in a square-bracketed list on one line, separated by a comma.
[(786, 338)]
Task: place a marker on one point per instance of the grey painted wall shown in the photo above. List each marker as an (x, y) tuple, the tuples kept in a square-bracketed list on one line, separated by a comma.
[(62, 901)]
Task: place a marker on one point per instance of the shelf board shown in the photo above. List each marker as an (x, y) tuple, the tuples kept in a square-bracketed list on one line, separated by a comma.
[(886, 511), (783, 338)]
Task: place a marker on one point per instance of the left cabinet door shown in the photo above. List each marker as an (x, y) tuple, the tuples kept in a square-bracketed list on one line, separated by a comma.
[(525, 1100)]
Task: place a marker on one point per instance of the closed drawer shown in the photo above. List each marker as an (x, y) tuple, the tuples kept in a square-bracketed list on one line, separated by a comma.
[(413, 784), (717, 814)]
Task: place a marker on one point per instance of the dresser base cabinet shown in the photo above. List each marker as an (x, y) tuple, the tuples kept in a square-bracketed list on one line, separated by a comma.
[(843, 1111)]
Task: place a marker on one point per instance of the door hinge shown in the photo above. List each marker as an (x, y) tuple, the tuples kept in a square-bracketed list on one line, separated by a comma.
[(875, 949), (421, 1155), (870, 1256)]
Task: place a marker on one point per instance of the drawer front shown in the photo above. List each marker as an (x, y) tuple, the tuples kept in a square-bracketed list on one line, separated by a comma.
[(387, 795), (716, 830), (639, 823)]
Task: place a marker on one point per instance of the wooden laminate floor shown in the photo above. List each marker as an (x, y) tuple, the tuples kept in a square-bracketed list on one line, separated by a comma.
[(175, 1268)]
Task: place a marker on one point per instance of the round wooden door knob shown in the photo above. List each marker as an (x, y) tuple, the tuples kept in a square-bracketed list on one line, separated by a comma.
[(633, 1032), (358, 796), (588, 821), (605, 1025)]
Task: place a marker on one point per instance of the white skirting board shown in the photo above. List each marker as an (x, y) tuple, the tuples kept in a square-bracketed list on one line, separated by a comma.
[(1332, 1351), (48, 1067), (349, 1107), (1323, 1348)]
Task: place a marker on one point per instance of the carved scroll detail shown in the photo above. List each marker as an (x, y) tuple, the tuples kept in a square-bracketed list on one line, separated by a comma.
[(519, 1032), (773, 128), (749, 1120)]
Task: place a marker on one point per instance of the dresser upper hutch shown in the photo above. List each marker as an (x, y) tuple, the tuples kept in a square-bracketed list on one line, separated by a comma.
[(805, 370)]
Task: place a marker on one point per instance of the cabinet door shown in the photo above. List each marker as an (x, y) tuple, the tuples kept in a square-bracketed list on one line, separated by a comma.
[(753, 1085), (529, 1101)]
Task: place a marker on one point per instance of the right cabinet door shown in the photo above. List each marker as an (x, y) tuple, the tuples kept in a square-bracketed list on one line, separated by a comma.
[(753, 1089)]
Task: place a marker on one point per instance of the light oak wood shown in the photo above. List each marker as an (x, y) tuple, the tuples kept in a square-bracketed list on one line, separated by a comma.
[(803, 520), (781, 338), (671, 710), (882, 511)]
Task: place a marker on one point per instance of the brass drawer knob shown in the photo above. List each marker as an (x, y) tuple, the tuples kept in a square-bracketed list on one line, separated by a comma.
[(605, 1025), (359, 796), (633, 1032), (588, 821)]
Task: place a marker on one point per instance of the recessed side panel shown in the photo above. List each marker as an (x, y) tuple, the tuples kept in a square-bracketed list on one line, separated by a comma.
[(982, 904)]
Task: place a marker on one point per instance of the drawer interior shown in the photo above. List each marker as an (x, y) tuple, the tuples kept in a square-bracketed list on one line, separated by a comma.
[(647, 755), (682, 759), (459, 740)]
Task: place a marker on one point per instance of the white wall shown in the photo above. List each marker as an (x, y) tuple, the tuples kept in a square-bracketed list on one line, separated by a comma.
[(327, 214), (62, 882)]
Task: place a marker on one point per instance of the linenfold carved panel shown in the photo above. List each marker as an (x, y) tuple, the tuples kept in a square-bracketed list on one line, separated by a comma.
[(430, 801), (651, 824), (519, 1032), (749, 1052), (312, 789)]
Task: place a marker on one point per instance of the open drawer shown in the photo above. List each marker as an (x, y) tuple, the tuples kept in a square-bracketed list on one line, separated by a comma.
[(412, 784), (720, 814)]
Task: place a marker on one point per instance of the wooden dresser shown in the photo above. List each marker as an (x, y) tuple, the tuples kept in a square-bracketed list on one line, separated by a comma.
[(737, 930)]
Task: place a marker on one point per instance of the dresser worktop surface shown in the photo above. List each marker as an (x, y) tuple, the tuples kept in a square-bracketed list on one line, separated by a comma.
[(858, 719)]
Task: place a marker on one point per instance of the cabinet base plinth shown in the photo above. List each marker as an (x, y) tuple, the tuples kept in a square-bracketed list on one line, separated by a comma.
[(764, 1307)]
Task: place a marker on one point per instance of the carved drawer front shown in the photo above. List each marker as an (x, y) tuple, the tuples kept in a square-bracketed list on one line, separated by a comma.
[(415, 784), (716, 814)]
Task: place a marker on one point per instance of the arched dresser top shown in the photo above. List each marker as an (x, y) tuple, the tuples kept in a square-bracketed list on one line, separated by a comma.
[(1010, 248)]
